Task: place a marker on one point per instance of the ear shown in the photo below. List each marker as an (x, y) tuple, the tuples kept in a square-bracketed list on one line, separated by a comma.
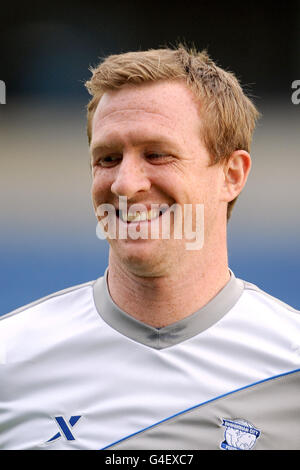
[(236, 171)]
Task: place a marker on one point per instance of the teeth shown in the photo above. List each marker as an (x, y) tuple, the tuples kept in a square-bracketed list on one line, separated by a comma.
[(140, 216)]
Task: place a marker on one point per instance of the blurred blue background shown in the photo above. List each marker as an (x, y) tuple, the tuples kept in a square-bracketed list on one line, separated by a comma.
[(48, 230)]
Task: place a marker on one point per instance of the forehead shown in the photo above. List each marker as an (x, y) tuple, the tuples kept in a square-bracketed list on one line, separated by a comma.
[(168, 105)]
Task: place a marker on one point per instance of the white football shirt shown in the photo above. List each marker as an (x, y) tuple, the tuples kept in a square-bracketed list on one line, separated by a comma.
[(76, 372)]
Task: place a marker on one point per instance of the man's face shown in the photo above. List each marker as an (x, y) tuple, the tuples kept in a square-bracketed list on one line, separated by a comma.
[(146, 146)]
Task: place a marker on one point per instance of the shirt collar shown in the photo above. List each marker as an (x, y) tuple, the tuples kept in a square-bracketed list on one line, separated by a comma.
[(175, 333)]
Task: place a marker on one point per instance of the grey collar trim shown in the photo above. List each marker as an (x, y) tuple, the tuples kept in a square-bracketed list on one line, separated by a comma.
[(160, 338)]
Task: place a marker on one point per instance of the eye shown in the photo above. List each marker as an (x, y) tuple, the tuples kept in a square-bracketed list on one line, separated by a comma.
[(108, 161), (158, 157)]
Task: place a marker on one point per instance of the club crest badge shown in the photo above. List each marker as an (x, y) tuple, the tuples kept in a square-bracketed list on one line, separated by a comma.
[(239, 435)]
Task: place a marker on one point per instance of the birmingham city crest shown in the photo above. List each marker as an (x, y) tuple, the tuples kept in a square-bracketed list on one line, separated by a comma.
[(239, 435)]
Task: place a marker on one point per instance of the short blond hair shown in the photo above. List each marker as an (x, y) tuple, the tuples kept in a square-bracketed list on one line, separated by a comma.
[(228, 115)]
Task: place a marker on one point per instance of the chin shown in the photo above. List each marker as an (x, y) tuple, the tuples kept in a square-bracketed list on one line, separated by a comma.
[(141, 257)]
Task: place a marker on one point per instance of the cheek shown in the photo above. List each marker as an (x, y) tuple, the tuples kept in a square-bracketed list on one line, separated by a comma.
[(100, 187), (94, 189), (206, 190), (213, 195), (98, 193)]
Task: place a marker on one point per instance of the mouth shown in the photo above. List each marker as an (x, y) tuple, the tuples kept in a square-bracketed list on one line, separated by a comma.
[(140, 216)]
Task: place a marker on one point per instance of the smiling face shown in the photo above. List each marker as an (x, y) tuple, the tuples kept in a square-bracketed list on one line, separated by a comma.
[(146, 145)]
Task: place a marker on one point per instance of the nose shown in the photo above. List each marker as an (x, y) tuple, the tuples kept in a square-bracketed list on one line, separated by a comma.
[(131, 177)]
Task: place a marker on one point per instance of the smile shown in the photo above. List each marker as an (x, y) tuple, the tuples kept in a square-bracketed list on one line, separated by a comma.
[(140, 216)]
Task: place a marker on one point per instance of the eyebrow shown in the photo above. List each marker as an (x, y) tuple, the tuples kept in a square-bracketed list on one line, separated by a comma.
[(157, 141), (102, 148)]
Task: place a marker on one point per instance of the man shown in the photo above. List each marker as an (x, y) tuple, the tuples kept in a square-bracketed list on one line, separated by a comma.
[(168, 350)]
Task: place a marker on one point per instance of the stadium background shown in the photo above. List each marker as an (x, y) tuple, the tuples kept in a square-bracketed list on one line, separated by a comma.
[(48, 230)]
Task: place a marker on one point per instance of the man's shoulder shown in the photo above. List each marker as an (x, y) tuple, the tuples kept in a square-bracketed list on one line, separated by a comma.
[(47, 323), (47, 302), (267, 299), (264, 311)]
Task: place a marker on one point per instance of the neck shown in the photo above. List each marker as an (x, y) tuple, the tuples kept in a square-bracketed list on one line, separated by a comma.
[(160, 301)]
